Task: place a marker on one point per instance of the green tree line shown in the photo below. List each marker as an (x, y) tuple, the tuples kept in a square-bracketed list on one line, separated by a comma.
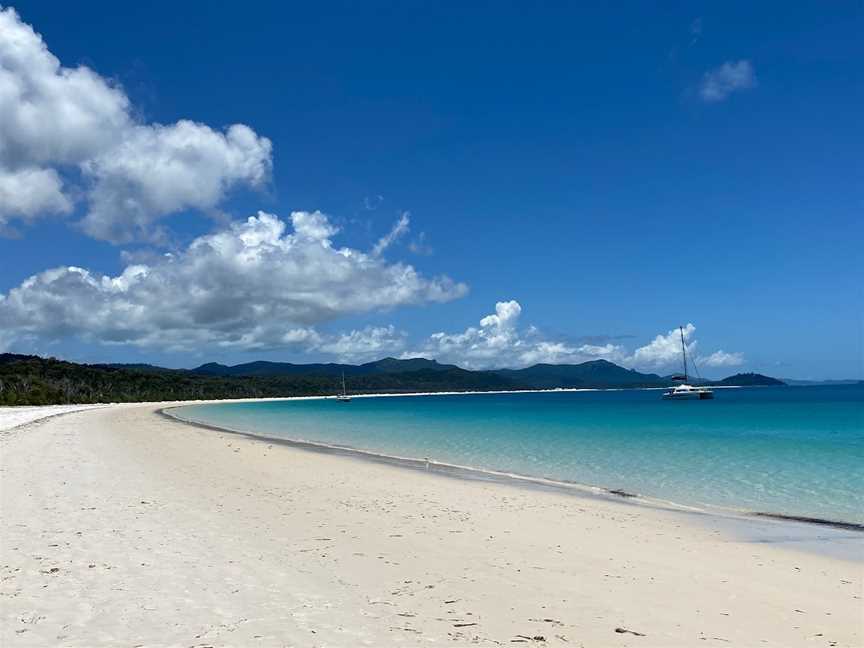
[(32, 380)]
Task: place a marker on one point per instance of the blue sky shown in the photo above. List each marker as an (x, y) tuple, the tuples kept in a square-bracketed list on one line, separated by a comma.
[(615, 171)]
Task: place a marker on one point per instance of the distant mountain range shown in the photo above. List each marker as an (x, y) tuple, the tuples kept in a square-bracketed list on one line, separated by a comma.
[(263, 368), (592, 374), (32, 380), (596, 373)]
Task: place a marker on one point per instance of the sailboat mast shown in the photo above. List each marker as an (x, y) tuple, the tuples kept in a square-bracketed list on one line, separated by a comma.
[(683, 352), (343, 384)]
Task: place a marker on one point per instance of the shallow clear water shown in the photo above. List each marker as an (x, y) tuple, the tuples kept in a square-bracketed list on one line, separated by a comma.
[(789, 450)]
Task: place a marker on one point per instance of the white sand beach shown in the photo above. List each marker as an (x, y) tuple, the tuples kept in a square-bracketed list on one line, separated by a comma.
[(122, 527), (11, 417)]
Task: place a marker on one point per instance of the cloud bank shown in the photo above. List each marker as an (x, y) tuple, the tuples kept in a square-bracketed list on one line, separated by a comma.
[(253, 285), (61, 126), (500, 341)]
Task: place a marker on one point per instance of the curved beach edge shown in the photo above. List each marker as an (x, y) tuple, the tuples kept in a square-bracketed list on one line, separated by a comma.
[(14, 417), (516, 479)]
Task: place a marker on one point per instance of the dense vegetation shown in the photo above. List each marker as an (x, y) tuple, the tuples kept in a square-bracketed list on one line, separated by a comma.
[(31, 380)]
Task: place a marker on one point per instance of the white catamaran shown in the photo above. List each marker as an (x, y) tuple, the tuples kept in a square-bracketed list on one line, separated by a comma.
[(685, 391), (343, 397)]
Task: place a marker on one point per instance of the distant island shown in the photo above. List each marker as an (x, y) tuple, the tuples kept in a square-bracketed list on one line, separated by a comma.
[(33, 380), (749, 380)]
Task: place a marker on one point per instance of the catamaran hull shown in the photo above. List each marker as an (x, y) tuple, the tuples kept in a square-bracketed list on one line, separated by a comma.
[(691, 396)]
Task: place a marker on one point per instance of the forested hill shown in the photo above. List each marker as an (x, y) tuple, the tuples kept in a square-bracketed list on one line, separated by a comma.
[(32, 380), (595, 373), (750, 379)]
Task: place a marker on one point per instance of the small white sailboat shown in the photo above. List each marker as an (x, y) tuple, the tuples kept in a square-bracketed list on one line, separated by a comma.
[(685, 391), (343, 397)]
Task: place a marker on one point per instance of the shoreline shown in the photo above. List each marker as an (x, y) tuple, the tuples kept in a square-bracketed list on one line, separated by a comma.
[(451, 470), (205, 401), (577, 489), (18, 416), (125, 525)]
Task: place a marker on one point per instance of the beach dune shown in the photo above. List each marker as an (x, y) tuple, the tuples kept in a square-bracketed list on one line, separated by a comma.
[(122, 527)]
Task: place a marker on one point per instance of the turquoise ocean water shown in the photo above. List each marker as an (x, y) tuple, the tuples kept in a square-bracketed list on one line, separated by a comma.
[(787, 450)]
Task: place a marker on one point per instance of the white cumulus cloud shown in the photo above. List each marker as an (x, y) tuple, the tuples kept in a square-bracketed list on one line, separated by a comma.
[(732, 76), (722, 359), (664, 353), (158, 170), (665, 349), (254, 285), (499, 341), (29, 192), (60, 122)]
